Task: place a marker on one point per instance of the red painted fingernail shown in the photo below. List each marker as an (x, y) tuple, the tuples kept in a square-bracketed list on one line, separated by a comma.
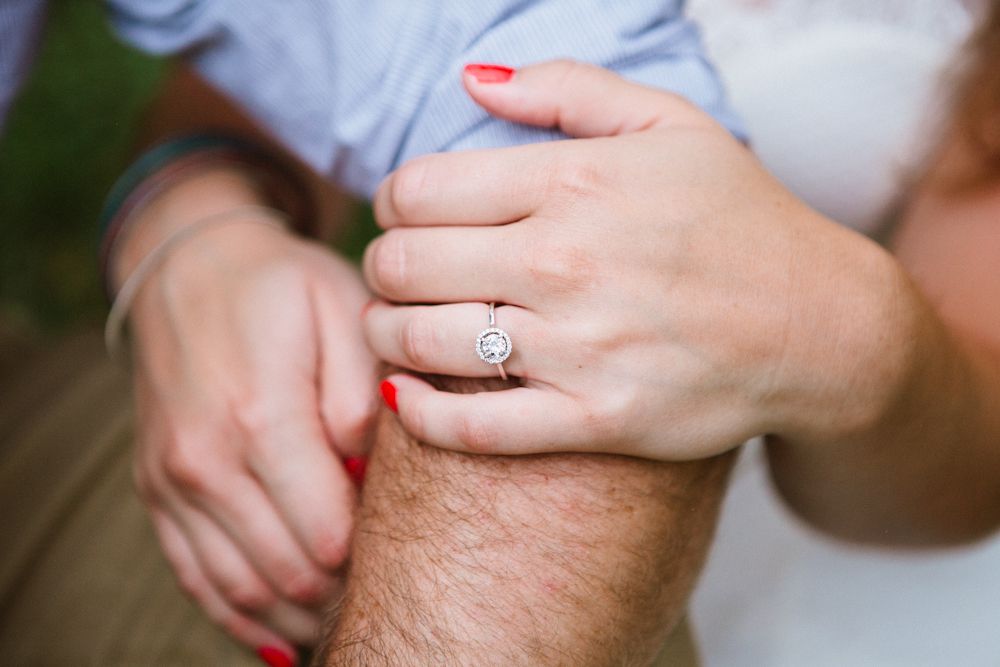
[(356, 466), (388, 390), (485, 73), (275, 657)]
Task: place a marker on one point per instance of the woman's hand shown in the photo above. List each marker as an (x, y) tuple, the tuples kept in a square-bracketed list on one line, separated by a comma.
[(665, 296), (253, 381)]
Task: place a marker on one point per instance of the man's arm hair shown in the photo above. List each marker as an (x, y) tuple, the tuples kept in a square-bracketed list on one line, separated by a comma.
[(536, 560)]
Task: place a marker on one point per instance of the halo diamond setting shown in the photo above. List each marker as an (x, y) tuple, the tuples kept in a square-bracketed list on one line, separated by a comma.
[(493, 346)]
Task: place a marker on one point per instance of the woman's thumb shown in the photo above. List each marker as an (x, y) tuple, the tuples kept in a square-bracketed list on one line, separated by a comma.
[(580, 99)]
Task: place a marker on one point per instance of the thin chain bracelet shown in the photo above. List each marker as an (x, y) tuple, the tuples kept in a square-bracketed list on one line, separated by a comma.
[(251, 214)]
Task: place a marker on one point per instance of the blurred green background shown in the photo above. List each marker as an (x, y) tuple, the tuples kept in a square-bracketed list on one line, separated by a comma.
[(71, 133), (67, 139)]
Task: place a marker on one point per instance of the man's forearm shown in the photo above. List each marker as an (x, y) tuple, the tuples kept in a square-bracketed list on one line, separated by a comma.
[(545, 560)]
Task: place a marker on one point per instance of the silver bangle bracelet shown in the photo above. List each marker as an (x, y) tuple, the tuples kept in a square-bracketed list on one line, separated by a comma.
[(251, 214)]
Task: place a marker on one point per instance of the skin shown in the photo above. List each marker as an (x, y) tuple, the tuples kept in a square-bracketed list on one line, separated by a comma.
[(592, 532), (851, 398), (668, 299), (239, 453), (542, 560), (934, 474)]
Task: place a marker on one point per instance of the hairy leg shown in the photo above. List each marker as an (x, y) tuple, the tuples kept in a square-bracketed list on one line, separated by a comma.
[(542, 560)]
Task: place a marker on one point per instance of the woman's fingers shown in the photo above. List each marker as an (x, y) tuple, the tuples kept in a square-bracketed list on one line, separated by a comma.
[(347, 369), (466, 187), (501, 186), (442, 265), (195, 584), (580, 99), (522, 420), (441, 339), (235, 580), (239, 505), (284, 442), (307, 485)]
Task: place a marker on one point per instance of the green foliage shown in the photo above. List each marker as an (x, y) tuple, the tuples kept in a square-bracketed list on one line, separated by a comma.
[(68, 138)]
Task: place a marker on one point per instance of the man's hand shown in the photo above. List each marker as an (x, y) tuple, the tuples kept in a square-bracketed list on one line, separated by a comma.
[(252, 381)]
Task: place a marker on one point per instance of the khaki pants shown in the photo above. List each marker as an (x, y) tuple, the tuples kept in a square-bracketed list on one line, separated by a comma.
[(82, 580)]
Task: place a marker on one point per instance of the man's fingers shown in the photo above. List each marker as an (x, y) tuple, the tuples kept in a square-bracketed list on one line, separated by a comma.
[(467, 187), (512, 421), (581, 100), (196, 585)]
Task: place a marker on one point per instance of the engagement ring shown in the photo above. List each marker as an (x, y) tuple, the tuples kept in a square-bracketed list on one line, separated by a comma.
[(493, 345)]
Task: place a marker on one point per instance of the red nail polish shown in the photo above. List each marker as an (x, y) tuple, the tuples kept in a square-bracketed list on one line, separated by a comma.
[(356, 467), (275, 657), (388, 390), (485, 73)]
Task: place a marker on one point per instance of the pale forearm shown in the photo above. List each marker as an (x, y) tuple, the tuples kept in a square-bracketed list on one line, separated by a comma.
[(926, 468), (567, 559), (210, 191)]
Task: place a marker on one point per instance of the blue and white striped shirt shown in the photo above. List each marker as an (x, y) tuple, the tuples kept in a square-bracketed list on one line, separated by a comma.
[(356, 87)]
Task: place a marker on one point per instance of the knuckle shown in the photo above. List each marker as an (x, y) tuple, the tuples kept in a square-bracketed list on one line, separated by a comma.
[(594, 340), (260, 425), (610, 416), (407, 191), (354, 421), (477, 432), (388, 263), (563, 270), (252, 597), (329, 549), (304, 588), (251, 415), (184, 465), (418, 342), (579, 177)]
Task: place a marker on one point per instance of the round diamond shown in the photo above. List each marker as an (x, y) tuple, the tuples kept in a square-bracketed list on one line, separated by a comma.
[(493, 346)]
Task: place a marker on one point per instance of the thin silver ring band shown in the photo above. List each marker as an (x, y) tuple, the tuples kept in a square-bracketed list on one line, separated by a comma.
[(493, 345)]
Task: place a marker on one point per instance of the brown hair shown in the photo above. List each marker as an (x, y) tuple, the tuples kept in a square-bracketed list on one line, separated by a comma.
[(977, 110)]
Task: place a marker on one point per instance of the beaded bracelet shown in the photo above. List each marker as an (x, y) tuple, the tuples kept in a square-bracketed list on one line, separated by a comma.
[(169, 162)]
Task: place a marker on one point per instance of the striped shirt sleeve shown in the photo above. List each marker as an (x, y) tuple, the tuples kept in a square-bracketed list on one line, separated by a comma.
[(356, 87)]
